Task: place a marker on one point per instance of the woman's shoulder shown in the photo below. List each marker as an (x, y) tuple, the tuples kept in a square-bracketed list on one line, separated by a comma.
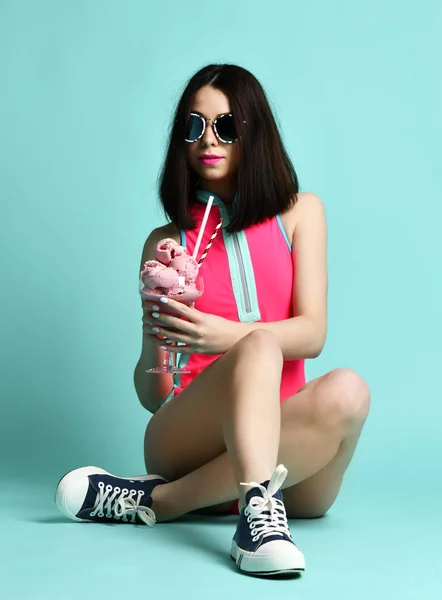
[(170, 230), (300, 206), (156, 235)]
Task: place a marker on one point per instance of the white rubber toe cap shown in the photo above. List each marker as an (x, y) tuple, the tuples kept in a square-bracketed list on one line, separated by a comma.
[(72, 489), (271, 558)]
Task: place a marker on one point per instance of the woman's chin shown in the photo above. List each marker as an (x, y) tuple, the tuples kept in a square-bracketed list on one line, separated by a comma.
[(213, 174)]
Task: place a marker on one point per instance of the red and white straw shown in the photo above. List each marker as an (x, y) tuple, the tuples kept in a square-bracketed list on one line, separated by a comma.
[(209, 245), (203, 226)]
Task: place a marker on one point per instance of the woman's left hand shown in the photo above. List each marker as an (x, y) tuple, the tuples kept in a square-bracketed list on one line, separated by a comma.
[(202, 333)]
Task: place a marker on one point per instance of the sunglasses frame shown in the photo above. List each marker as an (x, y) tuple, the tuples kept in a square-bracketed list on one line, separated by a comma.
[(213, 121)]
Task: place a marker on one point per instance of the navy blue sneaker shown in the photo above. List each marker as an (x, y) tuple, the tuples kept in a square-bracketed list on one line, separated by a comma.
[(262, 544), (93, 494)]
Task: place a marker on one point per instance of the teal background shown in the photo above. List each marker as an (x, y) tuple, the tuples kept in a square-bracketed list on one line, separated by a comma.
[(87, 91)]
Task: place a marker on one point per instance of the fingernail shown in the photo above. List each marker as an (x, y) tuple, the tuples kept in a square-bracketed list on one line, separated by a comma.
[(163, 299), (155, 330), (155, 307), (163, 347), (168, 341), (155, 315)]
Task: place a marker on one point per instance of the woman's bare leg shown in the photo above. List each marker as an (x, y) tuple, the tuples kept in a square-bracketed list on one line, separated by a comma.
[(202, 474), (320, 429), (233, 405), (304, 450)]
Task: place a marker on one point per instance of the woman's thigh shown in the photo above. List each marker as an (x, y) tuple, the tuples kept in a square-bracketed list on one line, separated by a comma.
[(186, 432)]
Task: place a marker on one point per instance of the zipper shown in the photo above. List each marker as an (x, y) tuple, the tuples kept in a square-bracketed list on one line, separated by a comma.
[(242, 274), (241, 271)]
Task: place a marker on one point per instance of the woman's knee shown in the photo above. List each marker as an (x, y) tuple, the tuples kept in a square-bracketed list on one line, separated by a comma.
[(342, 397), (260, 345)]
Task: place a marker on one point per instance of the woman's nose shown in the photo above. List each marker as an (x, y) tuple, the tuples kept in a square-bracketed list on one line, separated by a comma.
[(209, 135)]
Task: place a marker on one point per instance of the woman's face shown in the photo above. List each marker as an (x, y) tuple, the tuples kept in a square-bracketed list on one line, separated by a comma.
[(211, 103)]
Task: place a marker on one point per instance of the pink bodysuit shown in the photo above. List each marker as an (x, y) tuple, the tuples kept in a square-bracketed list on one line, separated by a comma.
[(248, 277)]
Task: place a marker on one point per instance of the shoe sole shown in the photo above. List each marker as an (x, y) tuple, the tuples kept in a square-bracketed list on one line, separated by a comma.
[(71, 476), (277, 565)]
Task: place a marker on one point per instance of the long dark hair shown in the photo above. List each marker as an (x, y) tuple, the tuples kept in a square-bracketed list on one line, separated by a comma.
[(267, 181)]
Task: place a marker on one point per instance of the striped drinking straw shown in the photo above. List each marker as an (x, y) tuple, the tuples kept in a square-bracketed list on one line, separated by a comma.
[(209, 245)]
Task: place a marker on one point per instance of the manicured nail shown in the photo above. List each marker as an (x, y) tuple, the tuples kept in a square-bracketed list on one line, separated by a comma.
[(155, 307), (155, 330), (163, 299), (163, 347), (155, 315), (168, 341)]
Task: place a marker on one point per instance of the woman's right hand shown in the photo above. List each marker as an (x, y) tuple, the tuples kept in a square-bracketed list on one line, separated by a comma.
[(149, 322)]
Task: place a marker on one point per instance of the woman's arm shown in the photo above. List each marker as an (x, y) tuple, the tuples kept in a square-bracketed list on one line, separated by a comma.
[(302, 336), (153, 389)]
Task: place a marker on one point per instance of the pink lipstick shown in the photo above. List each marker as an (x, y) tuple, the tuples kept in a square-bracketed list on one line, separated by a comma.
[(210, 159)]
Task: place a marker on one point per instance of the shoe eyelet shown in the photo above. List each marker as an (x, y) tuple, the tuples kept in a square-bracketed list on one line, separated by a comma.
[(253, 532), (108, 488), (249, 519), (101, 514), (255, 539), (101, 485)]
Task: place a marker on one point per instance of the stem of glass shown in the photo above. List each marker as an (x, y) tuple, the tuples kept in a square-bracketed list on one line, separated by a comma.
[(172, 356)]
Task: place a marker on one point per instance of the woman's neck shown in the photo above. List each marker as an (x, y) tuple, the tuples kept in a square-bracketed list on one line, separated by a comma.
[(225, 190)]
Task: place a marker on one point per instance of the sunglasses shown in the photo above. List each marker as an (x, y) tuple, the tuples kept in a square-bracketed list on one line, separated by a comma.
[(223, 126)]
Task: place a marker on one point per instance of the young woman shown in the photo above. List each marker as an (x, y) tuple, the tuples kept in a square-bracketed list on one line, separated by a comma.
[(218, 434)]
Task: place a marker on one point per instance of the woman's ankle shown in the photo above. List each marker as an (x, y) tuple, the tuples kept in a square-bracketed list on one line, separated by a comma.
[(162, 505)]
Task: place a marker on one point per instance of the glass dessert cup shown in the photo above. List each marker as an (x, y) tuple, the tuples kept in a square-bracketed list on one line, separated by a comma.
[(188, 298)]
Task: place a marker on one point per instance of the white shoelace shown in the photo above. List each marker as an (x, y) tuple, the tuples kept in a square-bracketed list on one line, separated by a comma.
[(274, 523), (121, 505)]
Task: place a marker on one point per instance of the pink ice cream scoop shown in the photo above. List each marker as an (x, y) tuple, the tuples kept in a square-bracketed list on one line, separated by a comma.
[(186, 266), (155, 275), (168, 249), (189, 294), (174, 273)]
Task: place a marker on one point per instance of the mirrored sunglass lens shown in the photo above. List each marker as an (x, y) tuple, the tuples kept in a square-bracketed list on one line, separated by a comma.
[(226, 128), (194, 127)]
